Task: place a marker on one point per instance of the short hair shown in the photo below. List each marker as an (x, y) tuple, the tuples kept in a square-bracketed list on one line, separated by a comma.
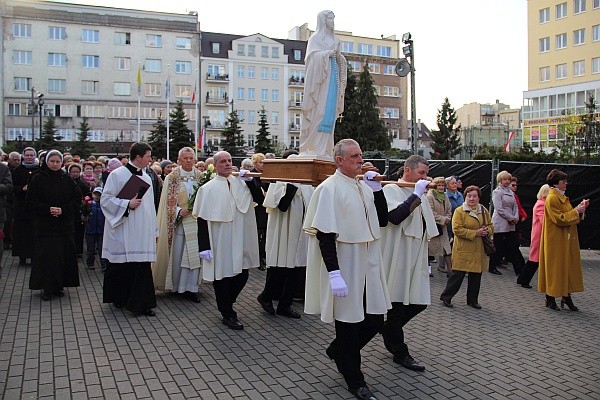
[(270, 156), (543, 192), (555, 176), (98, 164), (87, 164), (185, 150), (450, 179), (139, 149), (247, 163), (219, 154), (503, 175), (14, 155), (471, 188), (340, 147), (439, 180), (514, 179), (257, 157), (413, 161), (288, 153)]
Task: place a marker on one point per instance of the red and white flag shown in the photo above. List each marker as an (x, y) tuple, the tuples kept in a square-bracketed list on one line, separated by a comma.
[(201, 139), (507, 145), (194, 95)]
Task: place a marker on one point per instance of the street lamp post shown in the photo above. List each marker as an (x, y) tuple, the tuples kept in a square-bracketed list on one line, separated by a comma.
[(471, 148), (33, 109), (207, 148), (409, 52), (20, 145), (117, 145)]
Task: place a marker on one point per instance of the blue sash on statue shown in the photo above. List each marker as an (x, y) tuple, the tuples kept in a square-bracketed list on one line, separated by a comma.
[(326, 124)]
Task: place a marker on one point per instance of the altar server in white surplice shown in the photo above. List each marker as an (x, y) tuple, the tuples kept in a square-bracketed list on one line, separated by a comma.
[(405, 245), (227, 241), (344, 273)]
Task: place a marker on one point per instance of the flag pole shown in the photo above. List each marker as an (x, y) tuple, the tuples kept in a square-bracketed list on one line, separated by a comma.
[(168, 94), (195, 97), (139, 82)]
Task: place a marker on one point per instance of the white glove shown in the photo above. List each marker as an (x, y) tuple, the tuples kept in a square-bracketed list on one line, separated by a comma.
[(421, 187), (338, 285), (368, 179), (242, 174), (206, 255)]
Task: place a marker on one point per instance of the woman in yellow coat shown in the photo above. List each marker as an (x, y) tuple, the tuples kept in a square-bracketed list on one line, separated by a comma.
[(470, 223), (560, 271)]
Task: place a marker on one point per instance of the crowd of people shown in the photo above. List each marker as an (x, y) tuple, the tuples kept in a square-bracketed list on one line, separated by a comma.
[(358, 253)]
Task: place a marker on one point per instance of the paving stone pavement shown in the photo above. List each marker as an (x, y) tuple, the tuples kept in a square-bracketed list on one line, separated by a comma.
[(78, 348)]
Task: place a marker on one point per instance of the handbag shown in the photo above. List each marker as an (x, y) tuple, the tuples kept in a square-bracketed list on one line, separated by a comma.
[(488, 241)]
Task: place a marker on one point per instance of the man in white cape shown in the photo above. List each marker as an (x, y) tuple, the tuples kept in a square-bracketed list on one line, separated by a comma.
[(405, 244), (344, 273), (130, 235), (177, 266), (227, 241)]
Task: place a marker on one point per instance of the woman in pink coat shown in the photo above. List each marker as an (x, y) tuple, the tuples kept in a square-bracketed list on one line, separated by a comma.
[(536, 231)]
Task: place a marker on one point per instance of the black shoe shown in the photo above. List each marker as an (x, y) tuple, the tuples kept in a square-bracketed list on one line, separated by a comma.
[(60, 293), (409, 363), (474, 305), (330, 353), (447, 303), (525, 285), (495, 271), (266, 305), (45, 296), (288, 312), (148, 312), (233, 323), (22, 261), (551, 303), (91, 267), (192, 296), (262, 268), (363, 393), (569, 302), (117, 304)]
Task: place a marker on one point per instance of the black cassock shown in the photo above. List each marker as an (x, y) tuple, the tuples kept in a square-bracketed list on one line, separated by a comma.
[(22, 235)]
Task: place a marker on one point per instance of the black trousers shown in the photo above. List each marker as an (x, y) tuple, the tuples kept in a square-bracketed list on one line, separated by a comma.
[(507, 245), (350, 338), (528, 272), (392, 331), (129, 284), (227, 290), (262, 241), (455, 281), (282, 283)]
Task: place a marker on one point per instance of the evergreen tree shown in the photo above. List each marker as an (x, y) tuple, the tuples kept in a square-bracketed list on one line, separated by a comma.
[(344, 128), (233, 139), (82, 145), (158, 138), (180, 134), (48, 139), (263, 143), (446, 142)]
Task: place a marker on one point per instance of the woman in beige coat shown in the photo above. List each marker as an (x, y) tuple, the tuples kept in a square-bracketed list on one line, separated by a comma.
[(470, 223), (439, 246)]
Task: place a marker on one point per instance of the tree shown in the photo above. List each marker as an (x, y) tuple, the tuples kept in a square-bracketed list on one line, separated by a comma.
[(83, 146), (344, 127), (233, 139), (180, 134), (446, 141), (158, 137), (263, 143), (48, 139)]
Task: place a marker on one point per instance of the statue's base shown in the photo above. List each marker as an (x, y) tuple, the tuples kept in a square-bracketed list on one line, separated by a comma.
[(310, 170)]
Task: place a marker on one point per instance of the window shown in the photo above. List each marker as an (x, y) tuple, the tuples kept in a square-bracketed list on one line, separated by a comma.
[(274, 52), (596, 65), (57, 33), (264, 94), (579, 68), (275, 95), (355, 65), (90, 87), (297, 55), (90, 36), (374, 68), (216, 47), (21, 57), (57, 59), (264, 73), (251, 117), (251, 73), (152, 65), (275, 74), (391, 112), (21, 30), (89, 61), (364, 48), (183, 91), (251, 94), (264, 51), (57, 86), (347, 47), (561, 71), (596, 32), (240, 71), (578, 6), (297, 74), (123, 63), (152, 89), (384, 51), (544, 44), (578, 37), (544, 74), (391, 91), (122, 38), (544, 15), (153, 40), (251, 50), (183, 43), (389, 69), (14, 108), (22, 84), (122, 89), (216, 70), (596, 4), (251, 138), (561, 41), (240, 93), (275, 117), (183, 67), (561, 10), (241, 49)]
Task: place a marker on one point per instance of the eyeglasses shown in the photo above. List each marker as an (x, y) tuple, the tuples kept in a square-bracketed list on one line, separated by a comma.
[(514, 185)]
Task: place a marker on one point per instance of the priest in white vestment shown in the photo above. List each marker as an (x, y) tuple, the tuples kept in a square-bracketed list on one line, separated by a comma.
[(405, 245), (130, 235), (177, 266), (227, 241), (344, 273)]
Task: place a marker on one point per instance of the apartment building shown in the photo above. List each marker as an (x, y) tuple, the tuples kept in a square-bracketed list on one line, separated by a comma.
[(564, 66)]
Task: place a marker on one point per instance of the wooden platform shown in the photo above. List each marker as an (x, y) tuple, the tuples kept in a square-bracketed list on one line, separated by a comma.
[(299, 170)]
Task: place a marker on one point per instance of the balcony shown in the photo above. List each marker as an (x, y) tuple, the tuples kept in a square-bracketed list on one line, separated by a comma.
[(295, 104), (296, 81), (215, 126), (294, 127), (217, 78), (217, 100)]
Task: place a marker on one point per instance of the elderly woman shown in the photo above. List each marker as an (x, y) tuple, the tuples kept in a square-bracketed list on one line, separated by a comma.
[(536, 230), (439, 246), (247, 164), (53, 198), (560, 260), (470, 223), (504, 218)]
